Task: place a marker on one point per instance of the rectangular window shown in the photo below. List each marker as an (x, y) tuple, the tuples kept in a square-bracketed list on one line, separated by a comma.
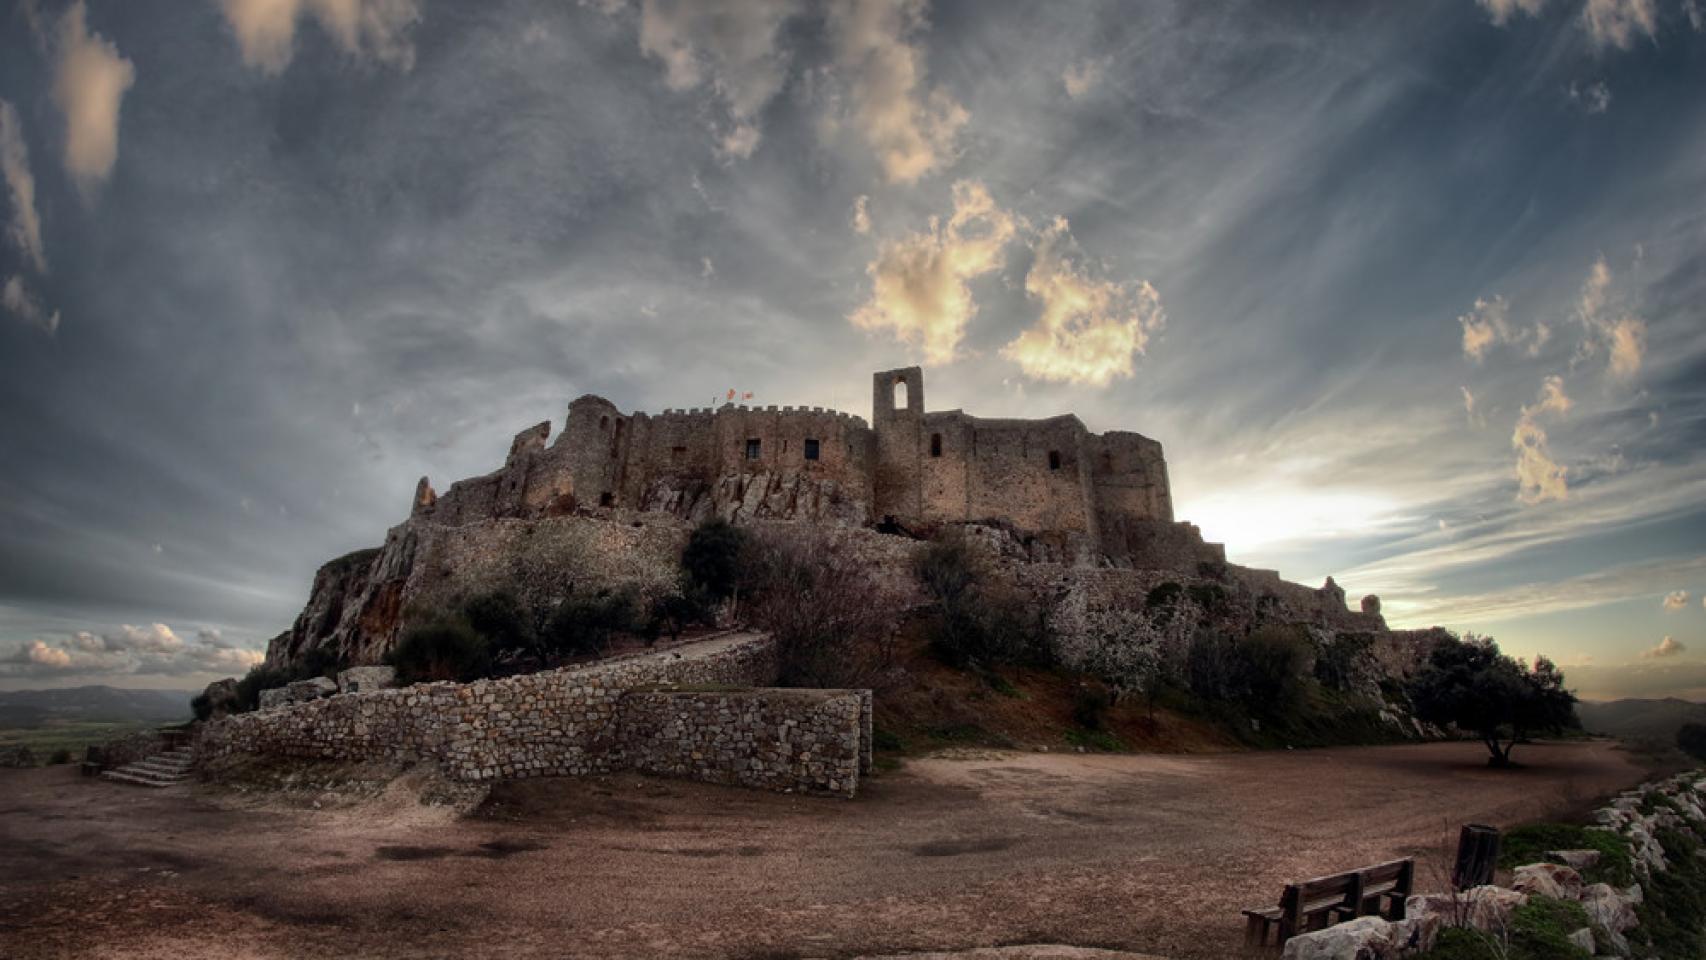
[(752, 448), (811, 449), (1054, 459)]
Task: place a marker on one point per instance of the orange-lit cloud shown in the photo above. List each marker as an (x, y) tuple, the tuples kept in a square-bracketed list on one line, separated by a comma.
[(919, 284), (1668, 647), (1090, 329), (266, 29), (1539, 477), (911, 130), (89, 84), (1676, 600)]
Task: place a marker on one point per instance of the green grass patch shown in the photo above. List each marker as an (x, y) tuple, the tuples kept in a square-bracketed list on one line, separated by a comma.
[(1531, 843), (1098, 740), (1540, 930)]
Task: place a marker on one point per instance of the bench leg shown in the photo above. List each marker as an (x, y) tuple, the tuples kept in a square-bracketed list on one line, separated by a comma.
[(1255, 932)]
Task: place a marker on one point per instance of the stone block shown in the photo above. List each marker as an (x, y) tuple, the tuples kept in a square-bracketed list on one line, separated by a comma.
[(366, 679)]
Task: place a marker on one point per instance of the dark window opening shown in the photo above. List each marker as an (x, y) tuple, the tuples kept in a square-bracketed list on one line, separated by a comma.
[(752, 448), (606, 499), (354, 687), (811, 449), (604, 423), (1054, 459), (935, 444), (677, 453)]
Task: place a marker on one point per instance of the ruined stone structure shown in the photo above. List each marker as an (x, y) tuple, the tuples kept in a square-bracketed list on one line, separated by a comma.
[(1084, 495)]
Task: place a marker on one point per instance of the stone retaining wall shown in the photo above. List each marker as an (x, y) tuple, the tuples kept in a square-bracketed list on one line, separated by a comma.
[(805, 740)]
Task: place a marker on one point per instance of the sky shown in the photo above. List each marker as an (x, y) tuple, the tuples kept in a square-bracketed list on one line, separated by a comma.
[(1413, 294)]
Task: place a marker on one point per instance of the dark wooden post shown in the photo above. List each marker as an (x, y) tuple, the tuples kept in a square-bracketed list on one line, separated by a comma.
[(1477, 856)]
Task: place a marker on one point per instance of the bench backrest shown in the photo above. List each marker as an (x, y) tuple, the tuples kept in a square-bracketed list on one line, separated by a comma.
[(1397, 875), (1301, 900)]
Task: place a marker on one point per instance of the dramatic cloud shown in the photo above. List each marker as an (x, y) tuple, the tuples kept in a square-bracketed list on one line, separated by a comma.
[(21, 303), (730, 45), (1616, 22), (1539, 478), (1089, 329), (1668, 647), (90, 81), (154, 649), (1503, 10), (912, 132), (1676, 600), (266, 29), (1476, 417), (919, 284), (1084, 76), (24, 229), (1488, 324), (1595, 98), (862, 215)]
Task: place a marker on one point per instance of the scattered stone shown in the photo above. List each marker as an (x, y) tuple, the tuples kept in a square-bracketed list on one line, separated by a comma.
[(1548, 880), (1578, 859), (1607, 907), (1365, 938)]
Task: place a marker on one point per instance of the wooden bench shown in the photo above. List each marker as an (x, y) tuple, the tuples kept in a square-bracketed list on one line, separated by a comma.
[(1379, 891)]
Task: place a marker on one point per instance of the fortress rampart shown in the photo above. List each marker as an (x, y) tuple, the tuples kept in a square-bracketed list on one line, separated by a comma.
[(1097, 494)]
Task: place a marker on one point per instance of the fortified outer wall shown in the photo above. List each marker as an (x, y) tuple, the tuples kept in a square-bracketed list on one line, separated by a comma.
[(559, 722), (784, 740)]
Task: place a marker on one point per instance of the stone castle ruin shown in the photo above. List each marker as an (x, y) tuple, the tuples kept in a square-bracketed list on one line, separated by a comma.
[(1074, 494), (611, 500)]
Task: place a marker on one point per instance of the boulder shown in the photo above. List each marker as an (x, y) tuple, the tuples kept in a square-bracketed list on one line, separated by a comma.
[(1579, 859), (1649, 854), (1548, 880), (221, 697), (273, 698), (364, 679), (1607, 907), (1365, 938), (1583, 938), (1491, 908), (312, 688)]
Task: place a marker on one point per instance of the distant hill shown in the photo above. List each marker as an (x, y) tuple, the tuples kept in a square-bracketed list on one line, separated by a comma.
[(33, 708), (1640, 719)]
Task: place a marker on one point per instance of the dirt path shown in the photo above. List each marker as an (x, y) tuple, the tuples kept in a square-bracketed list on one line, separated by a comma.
[(1146, 853)]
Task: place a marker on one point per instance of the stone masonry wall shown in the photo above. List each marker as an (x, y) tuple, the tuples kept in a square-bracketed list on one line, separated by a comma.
[(543, 724), (787, 740)]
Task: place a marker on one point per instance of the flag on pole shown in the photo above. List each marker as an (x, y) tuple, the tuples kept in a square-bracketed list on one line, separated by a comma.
[(731, 393)]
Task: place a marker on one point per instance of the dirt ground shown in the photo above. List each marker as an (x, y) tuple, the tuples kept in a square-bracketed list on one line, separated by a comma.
[(1138, 852)]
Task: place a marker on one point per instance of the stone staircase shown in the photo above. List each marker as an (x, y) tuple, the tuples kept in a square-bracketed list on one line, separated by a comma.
[(159, 770)]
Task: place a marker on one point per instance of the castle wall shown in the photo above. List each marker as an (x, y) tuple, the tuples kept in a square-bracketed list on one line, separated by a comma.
[(571, 721)]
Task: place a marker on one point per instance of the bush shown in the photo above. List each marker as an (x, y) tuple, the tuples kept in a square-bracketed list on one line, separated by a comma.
[(1673, 912), (674, 612), (584, 624), (1338, 663), (201, 706), (1090, 703), (831, 619), (58, 757), (1262, 672), (442, 650), (500, 618), (714, 558), (260, 677), (1691, 739), (978, 623)]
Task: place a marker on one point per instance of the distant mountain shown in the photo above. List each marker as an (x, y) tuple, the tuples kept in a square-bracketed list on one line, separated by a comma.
[(1640, 719), (33, 708)]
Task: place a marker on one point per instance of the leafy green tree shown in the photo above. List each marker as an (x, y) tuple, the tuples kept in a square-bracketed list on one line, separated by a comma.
[(1471, 684)]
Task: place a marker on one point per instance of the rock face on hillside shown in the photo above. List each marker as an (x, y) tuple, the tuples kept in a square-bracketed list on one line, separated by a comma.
[(1081, 522)]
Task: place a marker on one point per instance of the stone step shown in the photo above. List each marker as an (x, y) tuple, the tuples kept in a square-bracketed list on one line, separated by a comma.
[(164, 767), (122, 775)]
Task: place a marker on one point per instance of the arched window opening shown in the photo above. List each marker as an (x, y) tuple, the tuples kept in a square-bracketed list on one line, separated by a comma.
[(603, 423), (900, 394), (935, 444), (1054, 459)]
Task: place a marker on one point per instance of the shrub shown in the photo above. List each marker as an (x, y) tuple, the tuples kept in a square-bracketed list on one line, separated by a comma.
[(1691, 739), (201, 706), (500, 618), (978, 623), (584, 624), (260, 677), (58, 757), (831, 619), (1090, 703), (1673, 912), (1262, 672), (674, 612), (714, 558), (441, 650), (1340, 660)]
